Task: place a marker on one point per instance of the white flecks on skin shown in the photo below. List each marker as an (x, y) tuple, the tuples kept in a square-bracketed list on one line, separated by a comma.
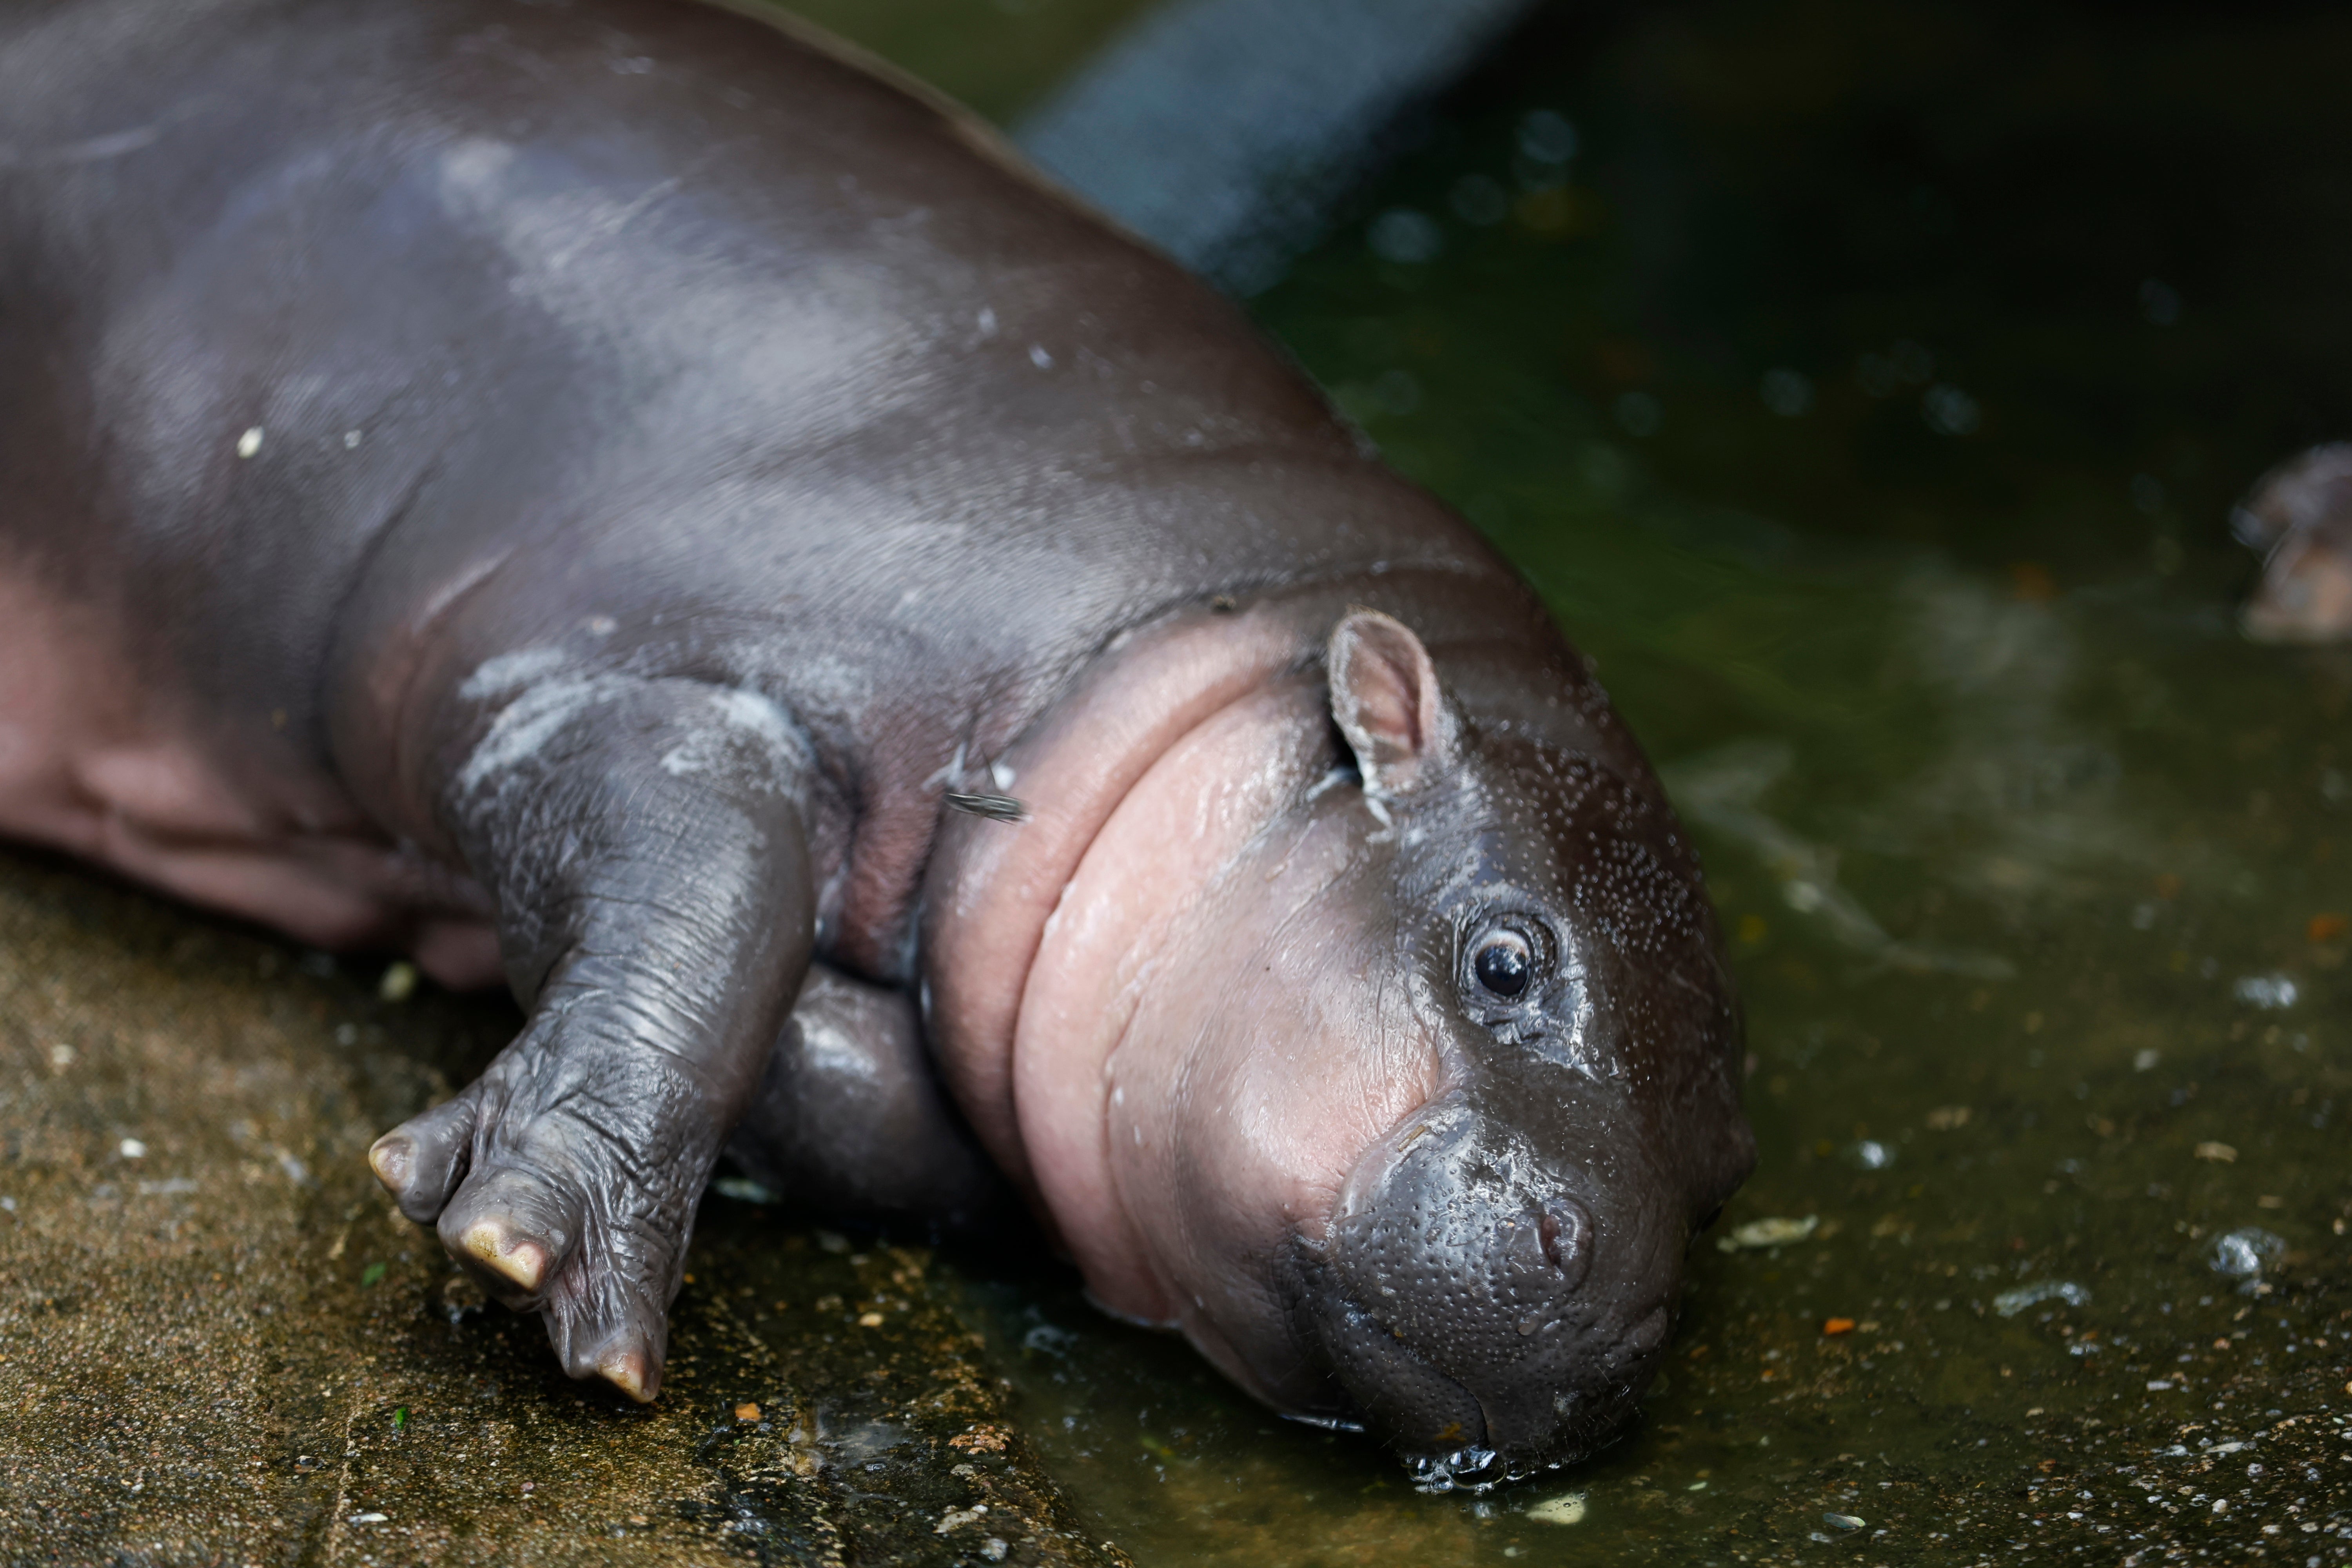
[(541, 705), (742, 714), (350, 440), (1039, 357), (533, 720), (987, 323), (749, 710), (1002, 775), (826, 684), (250, 442), (510, 672), (600, 626)]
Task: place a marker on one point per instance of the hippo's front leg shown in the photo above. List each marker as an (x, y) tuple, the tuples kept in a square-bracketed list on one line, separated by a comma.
[(645, 844)]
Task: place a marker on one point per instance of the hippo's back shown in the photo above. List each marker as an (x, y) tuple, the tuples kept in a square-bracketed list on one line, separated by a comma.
[(701, 310), (343, 348)]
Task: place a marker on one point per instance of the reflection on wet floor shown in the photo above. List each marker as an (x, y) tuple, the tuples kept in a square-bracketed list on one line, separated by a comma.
[(1868, 386)]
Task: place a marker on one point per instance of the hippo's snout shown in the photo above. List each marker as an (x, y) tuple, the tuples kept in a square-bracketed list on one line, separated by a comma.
[(1473, 1303)]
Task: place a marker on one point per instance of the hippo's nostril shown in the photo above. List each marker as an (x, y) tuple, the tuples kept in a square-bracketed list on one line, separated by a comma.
[(1566, 1232)]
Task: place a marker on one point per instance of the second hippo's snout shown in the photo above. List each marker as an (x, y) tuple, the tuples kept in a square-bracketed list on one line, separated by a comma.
[(1489, 1309)]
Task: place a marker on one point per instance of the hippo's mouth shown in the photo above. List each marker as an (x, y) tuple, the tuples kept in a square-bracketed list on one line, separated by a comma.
[(1448, 1429), (1436, 1422), (1467, 1455)]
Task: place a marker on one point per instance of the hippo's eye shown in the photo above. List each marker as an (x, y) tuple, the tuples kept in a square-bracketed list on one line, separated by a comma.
[(1504, 961)]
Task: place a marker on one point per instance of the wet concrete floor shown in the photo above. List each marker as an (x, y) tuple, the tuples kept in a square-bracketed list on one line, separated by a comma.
[(219, 1343)]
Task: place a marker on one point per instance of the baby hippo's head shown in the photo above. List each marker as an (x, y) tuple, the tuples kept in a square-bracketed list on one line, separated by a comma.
[(1432, 1090)]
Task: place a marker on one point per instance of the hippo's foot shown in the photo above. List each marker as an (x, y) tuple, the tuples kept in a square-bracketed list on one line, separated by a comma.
[(655, 918), (565, 1179), (851, 1119)]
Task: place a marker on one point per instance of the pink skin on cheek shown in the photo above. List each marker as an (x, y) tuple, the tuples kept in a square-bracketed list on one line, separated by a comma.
[(1242, 1105), (1107, 951)]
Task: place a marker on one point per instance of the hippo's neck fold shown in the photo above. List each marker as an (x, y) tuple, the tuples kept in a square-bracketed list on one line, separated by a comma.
[(993, 887)]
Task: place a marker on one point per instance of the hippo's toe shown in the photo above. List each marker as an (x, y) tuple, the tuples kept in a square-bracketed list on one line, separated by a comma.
[(514, 1227), (420, 1162), (565, 1184)]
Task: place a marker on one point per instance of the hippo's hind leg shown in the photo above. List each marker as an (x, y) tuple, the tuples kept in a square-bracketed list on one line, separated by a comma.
[(643, 841), (851, 1119)]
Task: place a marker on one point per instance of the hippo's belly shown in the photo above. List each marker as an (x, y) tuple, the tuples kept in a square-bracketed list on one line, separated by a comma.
[(96, 762)]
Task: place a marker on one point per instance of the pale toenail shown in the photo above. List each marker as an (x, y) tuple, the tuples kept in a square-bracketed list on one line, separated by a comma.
[(626, 1370), (391, 1159), (524, 1262)]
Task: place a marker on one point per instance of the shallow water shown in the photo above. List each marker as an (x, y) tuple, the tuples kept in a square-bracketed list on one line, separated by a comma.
[(1867, 390)]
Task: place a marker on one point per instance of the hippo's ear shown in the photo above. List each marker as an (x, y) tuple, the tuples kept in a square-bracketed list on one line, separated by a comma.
[(1384, 695)]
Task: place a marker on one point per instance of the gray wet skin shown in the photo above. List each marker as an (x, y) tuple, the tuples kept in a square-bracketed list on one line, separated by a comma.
[(570, 489), (2299, 515)]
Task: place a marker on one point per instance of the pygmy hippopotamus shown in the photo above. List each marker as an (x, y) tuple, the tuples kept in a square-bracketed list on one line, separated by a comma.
[(2299, 515), (583, 490)]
